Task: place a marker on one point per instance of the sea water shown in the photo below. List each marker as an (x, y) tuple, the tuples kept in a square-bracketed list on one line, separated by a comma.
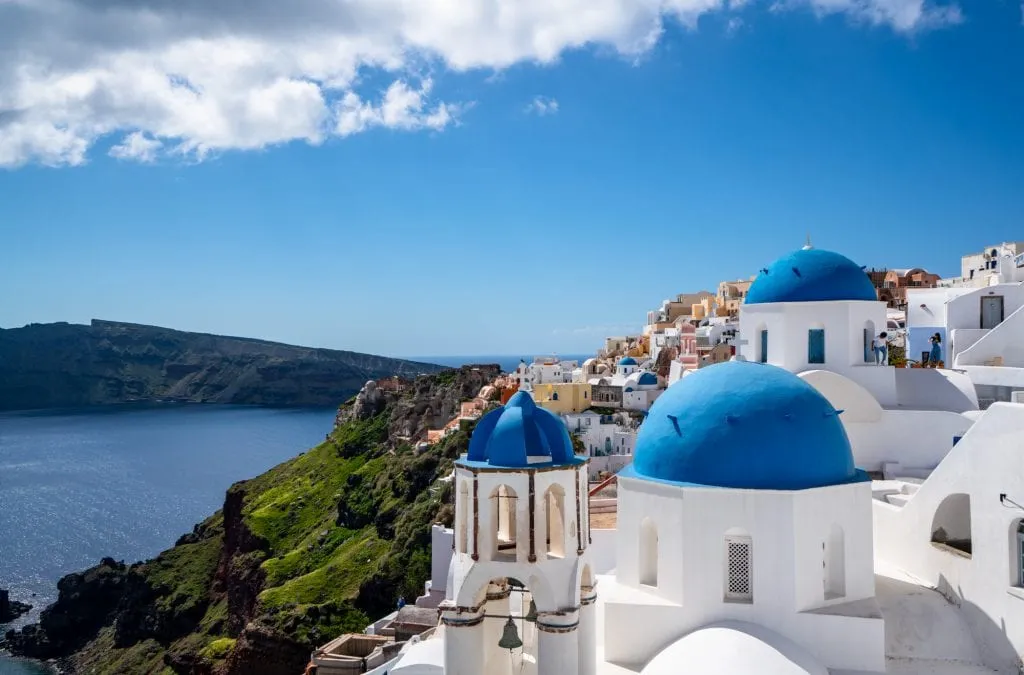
[(124, 482)]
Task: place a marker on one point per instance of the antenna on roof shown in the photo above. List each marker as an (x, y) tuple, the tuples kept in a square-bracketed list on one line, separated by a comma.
[(808, 244)]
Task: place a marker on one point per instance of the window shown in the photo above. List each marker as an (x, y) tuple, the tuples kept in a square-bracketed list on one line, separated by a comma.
[(739, 585), (554, 396), (816, 345), (648, 572), (1018, 553), (763, 355), (951, 524)]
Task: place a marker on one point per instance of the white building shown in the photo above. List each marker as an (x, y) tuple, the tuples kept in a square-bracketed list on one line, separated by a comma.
[(986, 267), (609, 439), (544, 370), (521, 566), (815, 313), (630, 387), (981, 332)]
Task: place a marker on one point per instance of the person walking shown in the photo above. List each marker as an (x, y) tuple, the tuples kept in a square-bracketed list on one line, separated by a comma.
[(936, 353)]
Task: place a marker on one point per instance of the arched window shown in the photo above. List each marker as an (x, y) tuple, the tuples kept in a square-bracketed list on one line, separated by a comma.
[(648, 553), (739, 567), (503, 510), (554, 512), (835, 563), (463, 517), (951, 524), (554, 396), (607, 445), (1017, 553)]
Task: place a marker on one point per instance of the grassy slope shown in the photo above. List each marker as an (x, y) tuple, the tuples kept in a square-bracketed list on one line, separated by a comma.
[(322, 578)]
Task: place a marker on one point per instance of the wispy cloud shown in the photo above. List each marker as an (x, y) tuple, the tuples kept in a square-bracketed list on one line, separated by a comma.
[(137, 146), (541, 105), (191, 78), (733, 25)]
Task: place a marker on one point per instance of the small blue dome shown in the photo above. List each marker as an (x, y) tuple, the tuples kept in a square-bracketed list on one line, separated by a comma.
[(518, 431), (744, 425), (648, 378), (811, 275), (627, 361)]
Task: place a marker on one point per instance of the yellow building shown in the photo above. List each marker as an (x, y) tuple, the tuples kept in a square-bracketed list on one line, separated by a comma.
[(562, 398)]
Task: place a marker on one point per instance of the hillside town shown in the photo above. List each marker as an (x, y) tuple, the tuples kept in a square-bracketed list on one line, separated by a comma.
[(861, 425)]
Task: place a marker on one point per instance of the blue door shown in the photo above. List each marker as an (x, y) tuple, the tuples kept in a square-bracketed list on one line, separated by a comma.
[(764, 346), (816, 345)]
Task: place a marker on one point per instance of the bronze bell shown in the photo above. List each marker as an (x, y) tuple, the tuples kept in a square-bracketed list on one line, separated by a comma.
[(532, 614), (510, 636)]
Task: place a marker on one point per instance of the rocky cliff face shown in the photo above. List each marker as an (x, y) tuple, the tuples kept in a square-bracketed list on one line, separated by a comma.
[(313, 548), (11, 609), (67, 365)]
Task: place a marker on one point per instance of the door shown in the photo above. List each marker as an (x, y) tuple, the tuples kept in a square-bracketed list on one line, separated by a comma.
[(764, 346), (991, 311)]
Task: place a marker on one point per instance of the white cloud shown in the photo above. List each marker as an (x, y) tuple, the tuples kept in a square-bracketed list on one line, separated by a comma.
[(541, 105), (138, 147), (733, 25), (401, 108), (202, 76)]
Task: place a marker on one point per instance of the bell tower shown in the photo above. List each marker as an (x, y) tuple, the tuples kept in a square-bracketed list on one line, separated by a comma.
[(521, 591)]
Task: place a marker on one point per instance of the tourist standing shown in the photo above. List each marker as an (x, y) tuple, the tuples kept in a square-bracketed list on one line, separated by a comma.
[(936, 354), (882, 349)]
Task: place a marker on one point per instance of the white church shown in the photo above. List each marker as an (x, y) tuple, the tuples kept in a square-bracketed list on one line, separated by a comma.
[(799, 510)]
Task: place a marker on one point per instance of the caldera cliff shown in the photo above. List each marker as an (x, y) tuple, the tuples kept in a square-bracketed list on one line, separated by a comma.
[(68, 365), (316, 547)]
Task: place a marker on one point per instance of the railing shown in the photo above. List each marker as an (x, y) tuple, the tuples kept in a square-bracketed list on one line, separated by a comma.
[(602, 485)]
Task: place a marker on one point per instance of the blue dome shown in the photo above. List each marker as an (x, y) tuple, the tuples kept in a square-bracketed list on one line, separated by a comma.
[(627, 361), (744, 425), (648, 378), (811, 275), (513, 434)]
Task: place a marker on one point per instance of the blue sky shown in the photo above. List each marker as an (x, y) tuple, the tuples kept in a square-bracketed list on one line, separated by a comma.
[(466, 219)]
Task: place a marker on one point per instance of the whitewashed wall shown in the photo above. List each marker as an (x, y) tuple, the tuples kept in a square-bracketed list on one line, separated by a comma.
[(987, 462)]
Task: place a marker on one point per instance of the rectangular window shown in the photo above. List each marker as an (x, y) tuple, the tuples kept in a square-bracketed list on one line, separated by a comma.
[(816, 345), (738, 578), (764, 347), (1020, 554)]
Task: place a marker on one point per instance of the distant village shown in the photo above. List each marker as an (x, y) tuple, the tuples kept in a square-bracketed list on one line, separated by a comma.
[(604, 399)]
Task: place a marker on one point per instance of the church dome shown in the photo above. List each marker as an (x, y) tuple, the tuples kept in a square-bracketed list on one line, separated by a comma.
[(647, 378), (744, 425), (811, 275), (520, 434), (627, 361)]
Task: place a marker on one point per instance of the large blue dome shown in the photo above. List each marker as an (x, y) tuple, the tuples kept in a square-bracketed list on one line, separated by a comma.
[(810, 275), (627, 361), (745, 425), (520, 434)]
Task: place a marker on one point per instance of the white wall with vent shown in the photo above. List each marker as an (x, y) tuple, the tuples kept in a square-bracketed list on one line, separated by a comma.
[(810, 556)]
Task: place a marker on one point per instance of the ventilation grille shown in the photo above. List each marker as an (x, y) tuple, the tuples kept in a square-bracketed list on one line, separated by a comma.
[(738, 583)]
